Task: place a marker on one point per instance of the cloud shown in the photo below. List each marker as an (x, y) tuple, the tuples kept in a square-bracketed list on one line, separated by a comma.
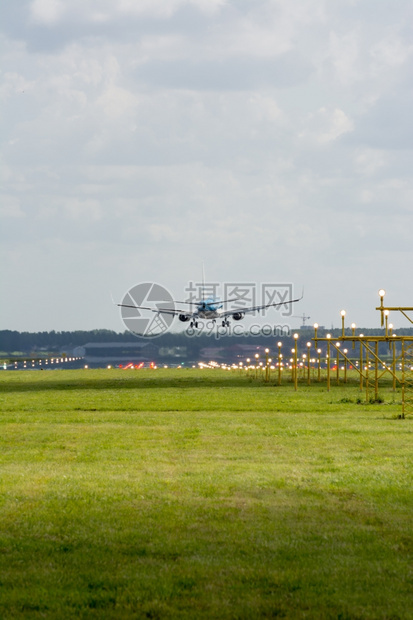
[(327, 125), (269, 138), (47, 12), (241, 73), (10, 207), (387, 124)]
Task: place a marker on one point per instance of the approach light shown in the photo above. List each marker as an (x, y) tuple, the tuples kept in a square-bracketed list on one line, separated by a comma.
[(343, 314), (382, 292)]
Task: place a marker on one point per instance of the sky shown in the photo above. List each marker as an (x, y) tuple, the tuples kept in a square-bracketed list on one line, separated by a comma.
[(270, 140)]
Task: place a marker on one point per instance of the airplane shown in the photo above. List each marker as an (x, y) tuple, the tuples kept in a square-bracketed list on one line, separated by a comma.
[(210, 308)]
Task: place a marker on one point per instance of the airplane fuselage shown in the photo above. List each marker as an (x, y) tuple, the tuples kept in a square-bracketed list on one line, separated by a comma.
[(208, 314), (209, 309)]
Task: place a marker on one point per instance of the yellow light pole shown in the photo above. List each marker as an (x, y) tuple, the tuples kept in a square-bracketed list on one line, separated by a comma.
[(345, 365), (343, 315), (403, 378), (308, 362), (353, 333), (279, 344), (338, 363), (315, 333), (267, 365), (256, 364), (382, 293), (361, 362), (386, 318), (319, 365), (328, 362), (295, 362)]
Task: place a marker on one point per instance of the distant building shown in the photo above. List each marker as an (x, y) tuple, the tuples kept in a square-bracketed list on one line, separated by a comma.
[(116, 353), (230, 352)]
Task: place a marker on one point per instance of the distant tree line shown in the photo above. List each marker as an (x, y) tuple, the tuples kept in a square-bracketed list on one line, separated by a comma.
[(51, 341), (28, 342)]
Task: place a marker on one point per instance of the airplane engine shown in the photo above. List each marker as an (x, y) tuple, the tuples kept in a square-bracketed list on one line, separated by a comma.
[(237, 316), (183, 317)]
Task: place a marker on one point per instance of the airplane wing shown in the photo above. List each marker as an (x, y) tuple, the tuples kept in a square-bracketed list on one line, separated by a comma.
[(172, 311), (136, 307), (215, 301), (258, 308), (176, 312)]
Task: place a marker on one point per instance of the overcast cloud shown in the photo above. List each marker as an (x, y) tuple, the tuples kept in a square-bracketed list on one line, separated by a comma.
[(270, 139)]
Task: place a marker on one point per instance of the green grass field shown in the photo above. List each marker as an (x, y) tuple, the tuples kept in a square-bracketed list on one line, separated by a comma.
[(201, 494)]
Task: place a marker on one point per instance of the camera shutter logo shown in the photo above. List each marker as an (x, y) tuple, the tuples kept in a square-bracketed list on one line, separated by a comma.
[(145, 322)]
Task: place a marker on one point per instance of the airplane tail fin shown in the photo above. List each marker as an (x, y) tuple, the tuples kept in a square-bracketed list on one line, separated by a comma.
[(203, 280)]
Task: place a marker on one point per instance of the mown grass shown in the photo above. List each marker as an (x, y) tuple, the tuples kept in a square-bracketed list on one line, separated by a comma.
[(188, 494)]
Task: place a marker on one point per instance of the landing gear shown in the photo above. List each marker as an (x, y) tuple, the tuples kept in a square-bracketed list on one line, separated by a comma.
[(194, 324), (225, 323)]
